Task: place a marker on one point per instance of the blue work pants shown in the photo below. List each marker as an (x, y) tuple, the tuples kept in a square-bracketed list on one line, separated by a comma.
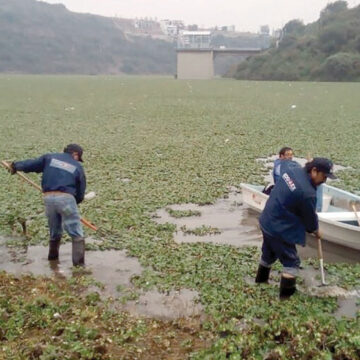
[(274, 249), (62, 212)]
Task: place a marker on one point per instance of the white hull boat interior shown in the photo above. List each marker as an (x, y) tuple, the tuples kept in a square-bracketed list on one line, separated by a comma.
[(338, 222)]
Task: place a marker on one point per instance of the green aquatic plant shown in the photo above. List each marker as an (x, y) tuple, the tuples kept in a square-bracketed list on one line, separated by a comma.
[(182, 213), (200, 231), (165, 142)]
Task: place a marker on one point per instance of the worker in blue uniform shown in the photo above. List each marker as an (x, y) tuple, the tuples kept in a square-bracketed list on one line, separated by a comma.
[(289, 213), (63, 185), (285, 153)]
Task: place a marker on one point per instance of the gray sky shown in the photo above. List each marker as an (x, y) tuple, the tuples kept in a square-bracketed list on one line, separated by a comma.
[(246, 15)]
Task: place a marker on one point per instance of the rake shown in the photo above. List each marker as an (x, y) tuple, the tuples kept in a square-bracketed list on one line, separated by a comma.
[(36, 186)]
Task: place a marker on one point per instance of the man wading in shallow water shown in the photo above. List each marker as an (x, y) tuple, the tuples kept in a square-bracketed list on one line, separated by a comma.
[(290, 212), (63, 184)]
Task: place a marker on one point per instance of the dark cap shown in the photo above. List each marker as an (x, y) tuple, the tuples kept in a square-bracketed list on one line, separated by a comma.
[(71, 148), (324, 165)]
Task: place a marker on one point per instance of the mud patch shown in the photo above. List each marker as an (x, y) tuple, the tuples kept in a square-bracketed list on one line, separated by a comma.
[(237, 225), (171, 306)]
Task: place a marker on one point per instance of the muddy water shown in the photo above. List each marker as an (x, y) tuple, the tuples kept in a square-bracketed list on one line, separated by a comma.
[(239, 227), (237, 224), (113, 269), (332, 253), (347, 307)]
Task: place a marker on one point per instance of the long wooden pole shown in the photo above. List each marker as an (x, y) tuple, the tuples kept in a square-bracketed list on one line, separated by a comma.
[(36, 186), (321, 261), (356, 214)]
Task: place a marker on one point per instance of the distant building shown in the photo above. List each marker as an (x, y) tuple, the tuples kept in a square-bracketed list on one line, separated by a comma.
[(278, 35), (172, 28), (193, 27), (265, 30), (194, 39), (146, 25), (228, 28)]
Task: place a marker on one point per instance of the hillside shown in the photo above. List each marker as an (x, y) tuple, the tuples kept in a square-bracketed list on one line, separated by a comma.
[(36, 37), (326, 50)]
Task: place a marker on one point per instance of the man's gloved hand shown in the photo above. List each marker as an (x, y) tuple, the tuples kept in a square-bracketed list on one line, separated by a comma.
[(12, 169)]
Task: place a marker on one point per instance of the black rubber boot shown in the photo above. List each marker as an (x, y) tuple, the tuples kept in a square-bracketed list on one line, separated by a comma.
[(54, 245), (78, 251), (262, 275), (287, 287)]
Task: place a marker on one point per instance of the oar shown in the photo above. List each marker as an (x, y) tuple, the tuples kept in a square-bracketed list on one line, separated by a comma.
[(355, 211), (36, 186), (321, 261)]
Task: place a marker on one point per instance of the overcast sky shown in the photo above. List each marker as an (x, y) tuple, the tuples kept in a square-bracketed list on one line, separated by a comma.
[(246, 15)]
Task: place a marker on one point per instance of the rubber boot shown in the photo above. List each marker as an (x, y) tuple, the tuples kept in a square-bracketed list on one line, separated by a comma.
[(54, 245), (78, 251), (262, 275), (287, 287)]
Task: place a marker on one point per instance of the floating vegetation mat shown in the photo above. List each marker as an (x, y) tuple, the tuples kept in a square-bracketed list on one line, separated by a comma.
[(150, 143)]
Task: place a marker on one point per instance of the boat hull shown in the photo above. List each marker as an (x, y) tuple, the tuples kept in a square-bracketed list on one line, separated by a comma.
[(336, 225)]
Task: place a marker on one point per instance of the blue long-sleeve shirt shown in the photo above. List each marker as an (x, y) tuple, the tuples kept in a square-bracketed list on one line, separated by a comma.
[(60, 173), (291, 208), (276, 170)]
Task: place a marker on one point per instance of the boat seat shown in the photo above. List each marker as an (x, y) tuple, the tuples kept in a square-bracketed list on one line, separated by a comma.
[(339, 216)]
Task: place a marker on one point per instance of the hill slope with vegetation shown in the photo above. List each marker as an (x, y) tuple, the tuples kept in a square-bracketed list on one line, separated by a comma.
[(326, 50), (36, 37)]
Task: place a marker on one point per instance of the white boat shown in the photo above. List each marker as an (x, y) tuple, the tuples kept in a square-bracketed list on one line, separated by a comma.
[(337, 222)]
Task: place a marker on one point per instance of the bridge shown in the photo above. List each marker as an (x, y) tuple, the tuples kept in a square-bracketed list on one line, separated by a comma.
[(193, 63)]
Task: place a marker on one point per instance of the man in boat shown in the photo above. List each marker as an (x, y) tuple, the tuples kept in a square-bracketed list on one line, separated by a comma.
[(289, 213), (63, 185), (285, 153)]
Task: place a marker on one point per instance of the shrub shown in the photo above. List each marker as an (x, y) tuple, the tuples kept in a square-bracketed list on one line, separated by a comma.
[(341, 67)]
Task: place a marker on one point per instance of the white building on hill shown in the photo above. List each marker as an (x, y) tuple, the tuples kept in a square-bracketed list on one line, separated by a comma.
[(172, 28), (194, 39)]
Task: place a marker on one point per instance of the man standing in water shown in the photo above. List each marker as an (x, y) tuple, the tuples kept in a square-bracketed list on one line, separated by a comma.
[(290, 212), (63, 184)]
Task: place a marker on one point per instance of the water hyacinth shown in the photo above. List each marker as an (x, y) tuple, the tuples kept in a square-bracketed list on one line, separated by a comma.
[(170, 146)]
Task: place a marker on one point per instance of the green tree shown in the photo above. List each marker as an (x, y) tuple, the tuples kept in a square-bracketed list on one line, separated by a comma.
[(333, 37), (334, 8), (294, 27)]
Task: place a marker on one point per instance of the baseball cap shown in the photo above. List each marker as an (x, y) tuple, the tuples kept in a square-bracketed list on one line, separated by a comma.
[(324, 165), (71, 148)]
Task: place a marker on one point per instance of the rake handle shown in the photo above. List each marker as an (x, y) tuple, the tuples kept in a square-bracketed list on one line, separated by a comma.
[(36, 186)]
